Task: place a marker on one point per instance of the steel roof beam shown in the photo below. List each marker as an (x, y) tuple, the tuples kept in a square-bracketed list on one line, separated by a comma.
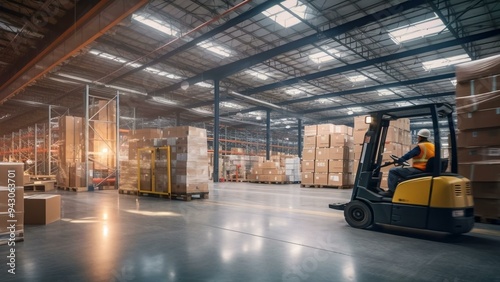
[(237, 66), (230, 23)]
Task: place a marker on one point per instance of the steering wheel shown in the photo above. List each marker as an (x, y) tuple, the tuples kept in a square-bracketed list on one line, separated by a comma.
[(396, 161)]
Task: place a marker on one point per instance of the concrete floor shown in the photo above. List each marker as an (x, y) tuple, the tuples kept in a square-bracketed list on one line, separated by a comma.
[(244, 232)]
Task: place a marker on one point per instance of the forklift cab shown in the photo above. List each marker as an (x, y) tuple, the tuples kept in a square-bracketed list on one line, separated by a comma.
[(434, 199)]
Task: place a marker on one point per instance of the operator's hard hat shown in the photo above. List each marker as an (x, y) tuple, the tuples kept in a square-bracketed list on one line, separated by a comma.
[(424, 133)]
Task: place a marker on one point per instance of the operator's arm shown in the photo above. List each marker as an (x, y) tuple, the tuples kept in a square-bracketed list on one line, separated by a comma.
[(413, 153)]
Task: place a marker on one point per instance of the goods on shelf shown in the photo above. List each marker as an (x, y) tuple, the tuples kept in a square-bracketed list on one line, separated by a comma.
[(478, 118)]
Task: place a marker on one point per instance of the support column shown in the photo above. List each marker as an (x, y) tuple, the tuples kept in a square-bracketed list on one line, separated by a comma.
[(216, 131), (36, 150), (117, 136), (299, 142), (133, 121), (178, 119), (49, 145), (86, 125), (268, 134)]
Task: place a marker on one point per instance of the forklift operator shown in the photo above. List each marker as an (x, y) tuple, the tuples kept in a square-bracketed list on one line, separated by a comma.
[(420, 154)]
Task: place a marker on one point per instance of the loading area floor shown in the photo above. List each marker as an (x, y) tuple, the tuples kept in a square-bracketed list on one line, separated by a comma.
[(243, 232)]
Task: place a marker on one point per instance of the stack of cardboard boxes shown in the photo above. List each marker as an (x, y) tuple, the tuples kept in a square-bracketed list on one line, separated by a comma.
[(189, 158), (268, 171), (398, 142), (327, 155), (11, 211), (102, 137), (478, 140), (71, 152), (292, 169)]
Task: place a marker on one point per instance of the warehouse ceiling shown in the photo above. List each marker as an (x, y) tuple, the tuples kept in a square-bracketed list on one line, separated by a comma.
[(322, 61)]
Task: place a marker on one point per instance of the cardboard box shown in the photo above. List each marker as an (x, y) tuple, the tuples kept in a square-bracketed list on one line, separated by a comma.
[(339, 179), (341, 139), (341, 153), (478, 137), (307, 178), (42, 209), (320, 178), (325, 129), (360, 125), (475, 154), (488, 208), (478, 68), (392, 134), (309, 153), (478, 94), (11, 173), (344, 166), (310, 141), (343, 129), (486, 190), (479, 119), (183, 131), (18, 204), (310, 130), (308, 166), (322, 153), (359, 136), (323, 141), (486, 171), (321, 166)]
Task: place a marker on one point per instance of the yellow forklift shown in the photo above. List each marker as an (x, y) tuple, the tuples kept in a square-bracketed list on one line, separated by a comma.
[(433, 200)]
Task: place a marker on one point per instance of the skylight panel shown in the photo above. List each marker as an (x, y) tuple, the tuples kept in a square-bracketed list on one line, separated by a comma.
[(156, 24), (219, 50), (445, 62), (384, 92), (454, 82), (426, 28), (322, 57), (293, 91), (259, 75), (284, 18), (357, 78), (231, 105), (162, 73)]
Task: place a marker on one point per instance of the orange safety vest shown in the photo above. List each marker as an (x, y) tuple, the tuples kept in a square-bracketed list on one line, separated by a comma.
[(426, 152)]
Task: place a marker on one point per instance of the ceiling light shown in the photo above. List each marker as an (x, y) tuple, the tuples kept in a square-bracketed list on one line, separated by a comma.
[(259, 75), (384, 92), (156, 24), (202, 111), (18, 30), (293, 91), (75, 77), (357, 78), (162, 100), (5, 116), (442, 63), (162, 73), (287, 127), (322, 57), (350, 112), (454, 82), (126, 89), (284, 18), (215, 48), (258, 118), (204, 84), (63, 80), (231, 105), (429, 27)]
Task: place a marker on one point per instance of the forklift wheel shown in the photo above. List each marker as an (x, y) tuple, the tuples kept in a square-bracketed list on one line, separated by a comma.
[(358, 214)]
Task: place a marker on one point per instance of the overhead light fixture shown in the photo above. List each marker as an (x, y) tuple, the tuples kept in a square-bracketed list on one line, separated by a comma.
[(162, 73), (384, 92), (75, 77), (258, 117), (15, 29), (287, 127), (5, 116), (293, 91), (126, 90), (350, 112), (215, 48), (202, 111), (357, 78), (63, 80), (258, 75), (156, 24), (204, 84), (425, 28), (454, 82), (162, 100), (445, 62), (230, 105), (322, 57), (284, 18)]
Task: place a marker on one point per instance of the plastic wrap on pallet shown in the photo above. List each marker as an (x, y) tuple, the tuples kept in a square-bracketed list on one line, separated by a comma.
[(478, 68)]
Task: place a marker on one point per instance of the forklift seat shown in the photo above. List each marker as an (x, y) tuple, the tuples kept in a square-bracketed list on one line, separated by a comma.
[(429, 168)]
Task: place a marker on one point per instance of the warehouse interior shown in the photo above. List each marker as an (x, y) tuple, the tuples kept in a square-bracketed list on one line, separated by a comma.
[(204, 140)]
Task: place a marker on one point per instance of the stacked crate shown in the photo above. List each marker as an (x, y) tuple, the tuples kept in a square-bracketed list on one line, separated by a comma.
[(292, 169), (327, 155), (478, 140), (11, 202), (398, 142), (71, 151)]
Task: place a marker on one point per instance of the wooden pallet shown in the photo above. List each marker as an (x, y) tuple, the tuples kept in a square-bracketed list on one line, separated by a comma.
[(127, 191), (488, 220), (4, 237), (189, 196), (40, 187), (325, 186), (239, 180), (74, 189), (275, 182)]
